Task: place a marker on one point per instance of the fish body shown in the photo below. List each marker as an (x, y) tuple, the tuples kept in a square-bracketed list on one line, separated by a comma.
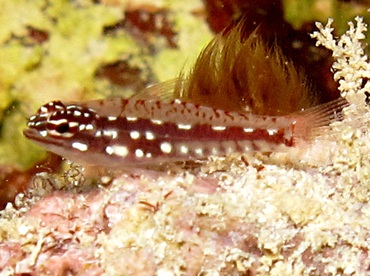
[(116, 132)]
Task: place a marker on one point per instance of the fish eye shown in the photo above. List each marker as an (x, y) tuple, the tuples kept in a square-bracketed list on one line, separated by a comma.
[(62, 128), (60, 124)]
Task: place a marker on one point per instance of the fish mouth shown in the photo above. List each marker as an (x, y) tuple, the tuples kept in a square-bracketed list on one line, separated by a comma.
[(35, 136), (32, 134)]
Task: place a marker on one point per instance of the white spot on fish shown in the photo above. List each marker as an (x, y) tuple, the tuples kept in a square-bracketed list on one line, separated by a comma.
[(44, 109), (166, 147), (59, 122), (110, 133), (80, 146), (134, 135), (44, 115), (249, 130), (184, 149), (77, 113), (139, 153), (131, 119), (149, 135), (157, 122), (43, 133), (89, 127), (71, 106), (271, 131), (73, 124), (112, 118), (120, 150), (183, 126), (218, 128), (109, 150), (198, 151)]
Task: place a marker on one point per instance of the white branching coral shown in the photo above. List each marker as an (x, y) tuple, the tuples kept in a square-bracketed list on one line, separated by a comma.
[(351, 67)]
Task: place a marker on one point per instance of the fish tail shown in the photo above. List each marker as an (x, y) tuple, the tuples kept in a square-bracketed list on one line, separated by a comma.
[(312, 135), (310, 123)]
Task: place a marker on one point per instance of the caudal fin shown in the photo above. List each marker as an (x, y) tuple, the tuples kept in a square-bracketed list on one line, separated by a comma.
[(310, 122)]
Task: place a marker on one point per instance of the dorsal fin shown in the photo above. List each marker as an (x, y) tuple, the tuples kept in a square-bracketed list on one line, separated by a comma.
[(165, 91)]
